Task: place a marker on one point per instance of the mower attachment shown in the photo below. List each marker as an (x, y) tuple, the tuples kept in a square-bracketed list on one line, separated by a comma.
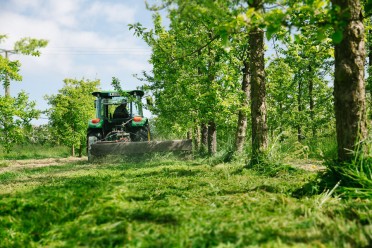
[(104, 148)]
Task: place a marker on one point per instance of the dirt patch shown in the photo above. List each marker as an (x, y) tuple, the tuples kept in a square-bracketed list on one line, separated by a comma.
[(309, 165), (13, 165)]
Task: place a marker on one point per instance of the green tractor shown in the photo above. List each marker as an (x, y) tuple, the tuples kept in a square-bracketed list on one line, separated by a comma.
[(121, 129)]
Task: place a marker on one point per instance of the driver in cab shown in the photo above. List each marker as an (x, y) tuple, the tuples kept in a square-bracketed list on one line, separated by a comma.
[(121, 111)]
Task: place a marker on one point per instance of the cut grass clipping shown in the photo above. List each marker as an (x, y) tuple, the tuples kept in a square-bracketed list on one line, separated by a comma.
[(168, 203)]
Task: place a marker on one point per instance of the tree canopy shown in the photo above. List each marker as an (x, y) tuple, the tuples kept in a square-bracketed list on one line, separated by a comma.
[(70, 111)]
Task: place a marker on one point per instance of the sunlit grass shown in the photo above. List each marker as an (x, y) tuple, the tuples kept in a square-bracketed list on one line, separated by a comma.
[(162, 202), (35, 151)]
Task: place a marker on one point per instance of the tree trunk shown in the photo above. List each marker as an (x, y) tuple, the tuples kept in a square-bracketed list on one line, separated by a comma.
[(7, 80), (80, 150), (204, 139), (349, 85), (242, 117), (299, 108), (196, 137), (189, 134), (370, 45), (73, 151), (311, 102), (258, 93), (212, 138)]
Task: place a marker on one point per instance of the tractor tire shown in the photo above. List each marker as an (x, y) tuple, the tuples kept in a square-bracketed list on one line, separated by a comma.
[(142, 134), (92, 138)]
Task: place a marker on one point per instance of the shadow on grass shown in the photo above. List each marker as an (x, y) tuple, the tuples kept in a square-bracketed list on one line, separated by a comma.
[(154, 216), (30, 215), (73, 209)]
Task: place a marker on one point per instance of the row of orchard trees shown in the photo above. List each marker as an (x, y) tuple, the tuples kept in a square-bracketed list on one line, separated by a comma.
[(69, 111), (210, 71)]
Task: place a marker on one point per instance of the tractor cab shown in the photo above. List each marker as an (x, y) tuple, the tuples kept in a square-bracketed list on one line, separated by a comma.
[(118, 113), (111, 106)]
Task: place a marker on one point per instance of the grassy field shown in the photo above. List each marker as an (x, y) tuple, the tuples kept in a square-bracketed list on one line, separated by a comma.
[(32, 151), (166, 202)]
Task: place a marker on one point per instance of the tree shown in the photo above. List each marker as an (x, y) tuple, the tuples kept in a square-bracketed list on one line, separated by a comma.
[(258, 88), (15, 116), (192, 81), (349, 85), (16, 112), (9, 69), (301, 97), (70, 111)]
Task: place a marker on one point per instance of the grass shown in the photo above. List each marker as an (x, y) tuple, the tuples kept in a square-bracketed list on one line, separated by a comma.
[(163, 202), (36, 151)]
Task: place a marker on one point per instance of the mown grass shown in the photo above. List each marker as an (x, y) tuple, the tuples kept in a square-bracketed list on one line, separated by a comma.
[(35, 151), (169, 203)]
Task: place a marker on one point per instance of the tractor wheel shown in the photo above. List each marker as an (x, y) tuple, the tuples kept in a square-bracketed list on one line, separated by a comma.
[(91, 139), (142, 134)]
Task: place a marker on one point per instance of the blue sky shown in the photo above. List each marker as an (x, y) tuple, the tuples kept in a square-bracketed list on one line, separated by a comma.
[(88, 39)]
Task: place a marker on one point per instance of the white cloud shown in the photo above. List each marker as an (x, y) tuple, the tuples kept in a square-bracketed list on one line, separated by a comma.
[(112, 12), (87, 39)]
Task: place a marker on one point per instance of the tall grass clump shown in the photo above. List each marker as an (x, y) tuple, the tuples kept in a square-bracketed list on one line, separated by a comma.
[(355, 175), (286, 147)]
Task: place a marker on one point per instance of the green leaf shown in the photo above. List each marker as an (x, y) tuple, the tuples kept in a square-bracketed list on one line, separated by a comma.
[(224, 38), (368, 7), (270, 31), (337, 36)]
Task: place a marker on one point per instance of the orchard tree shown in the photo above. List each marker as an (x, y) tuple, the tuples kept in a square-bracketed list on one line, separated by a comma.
[(193, 81), (345, 18), (307, 63), (70, 111), (350, 53), (15, 116)]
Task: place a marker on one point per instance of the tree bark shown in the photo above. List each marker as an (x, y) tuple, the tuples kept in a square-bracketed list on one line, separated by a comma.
[(311, 103), (81, 149), (204, 139), (242, 116), (196, 137), (212, 138), (189, 134), (7, 80), (349, 85), (258, 93), (299, 108)]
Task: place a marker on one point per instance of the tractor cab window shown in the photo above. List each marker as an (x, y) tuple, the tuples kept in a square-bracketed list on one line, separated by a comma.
[(137, 107), (116, 107)]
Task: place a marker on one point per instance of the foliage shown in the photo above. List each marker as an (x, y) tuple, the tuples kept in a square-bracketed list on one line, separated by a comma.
[(196, 76), (15, 116), (355, 176), (168, 203), (30, 46), (70, 111), (300, 99), (9, 70), (16, 113), (41, 134)]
